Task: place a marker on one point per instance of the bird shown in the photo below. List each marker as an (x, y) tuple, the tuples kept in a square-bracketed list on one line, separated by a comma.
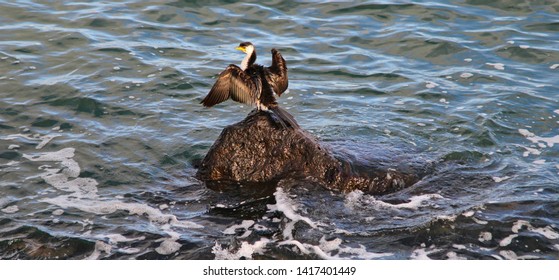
[(254, 84)]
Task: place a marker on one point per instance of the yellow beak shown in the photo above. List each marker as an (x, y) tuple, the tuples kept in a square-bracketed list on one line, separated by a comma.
[(241, 49)]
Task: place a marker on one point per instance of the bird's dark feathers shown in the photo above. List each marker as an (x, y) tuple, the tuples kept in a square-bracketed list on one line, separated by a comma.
[(232, 83), (256, 83), (277, 73)]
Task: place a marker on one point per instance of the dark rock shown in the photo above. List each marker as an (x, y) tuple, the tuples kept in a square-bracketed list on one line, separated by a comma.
[(256, 150)]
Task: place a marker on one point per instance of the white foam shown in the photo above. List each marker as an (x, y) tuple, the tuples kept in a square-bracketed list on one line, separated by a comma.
[(539, 161), (45, 140), (467, 59), (519, 224), (548, 232), (246, 250), (82, 195), (423, 253), (550, 141), (508, 255), (466, 75), (454, 256), (129, 251), (507, 240), (104, 207), (285, 205), (168, 246), (459, 246), (468, 213), (530, 151), (500, 179), (356, 198), (360, 252), (10, 209), (326, 249), (478, 221), (333, 250), (13, 147), (554, 66), (498, 66), (524, 46), (100, 247), (244, 225), (485, 236)]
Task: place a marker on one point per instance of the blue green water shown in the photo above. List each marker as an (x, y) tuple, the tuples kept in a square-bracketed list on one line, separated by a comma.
[(101, 128)]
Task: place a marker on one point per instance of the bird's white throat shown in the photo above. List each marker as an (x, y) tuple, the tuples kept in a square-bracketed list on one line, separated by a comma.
[(249, 51)]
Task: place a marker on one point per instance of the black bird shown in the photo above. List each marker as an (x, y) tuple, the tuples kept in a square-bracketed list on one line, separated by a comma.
[(253, 84)]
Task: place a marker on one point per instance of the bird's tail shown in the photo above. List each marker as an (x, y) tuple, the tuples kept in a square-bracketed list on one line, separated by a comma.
[(283, 117)]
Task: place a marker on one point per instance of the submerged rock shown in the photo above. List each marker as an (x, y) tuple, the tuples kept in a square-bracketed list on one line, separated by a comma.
[(257, 150)]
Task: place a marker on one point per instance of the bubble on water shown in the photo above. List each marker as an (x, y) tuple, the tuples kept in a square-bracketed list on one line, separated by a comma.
[(430, 84), (498, 66)]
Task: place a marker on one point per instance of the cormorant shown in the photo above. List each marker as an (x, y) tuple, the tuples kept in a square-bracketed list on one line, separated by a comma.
[(253, 84)]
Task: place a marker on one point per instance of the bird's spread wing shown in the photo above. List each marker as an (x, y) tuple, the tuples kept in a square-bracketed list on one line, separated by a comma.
[(232, 83), (277, 73)]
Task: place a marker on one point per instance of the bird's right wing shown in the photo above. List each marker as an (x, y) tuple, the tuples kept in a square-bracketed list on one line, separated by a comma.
[(232, 82), (277, 73)]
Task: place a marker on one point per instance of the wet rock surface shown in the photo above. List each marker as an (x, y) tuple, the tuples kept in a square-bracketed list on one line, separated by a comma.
[(257, 150)]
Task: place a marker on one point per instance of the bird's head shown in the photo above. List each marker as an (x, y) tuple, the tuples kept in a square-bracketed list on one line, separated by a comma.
[(246, 47)]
